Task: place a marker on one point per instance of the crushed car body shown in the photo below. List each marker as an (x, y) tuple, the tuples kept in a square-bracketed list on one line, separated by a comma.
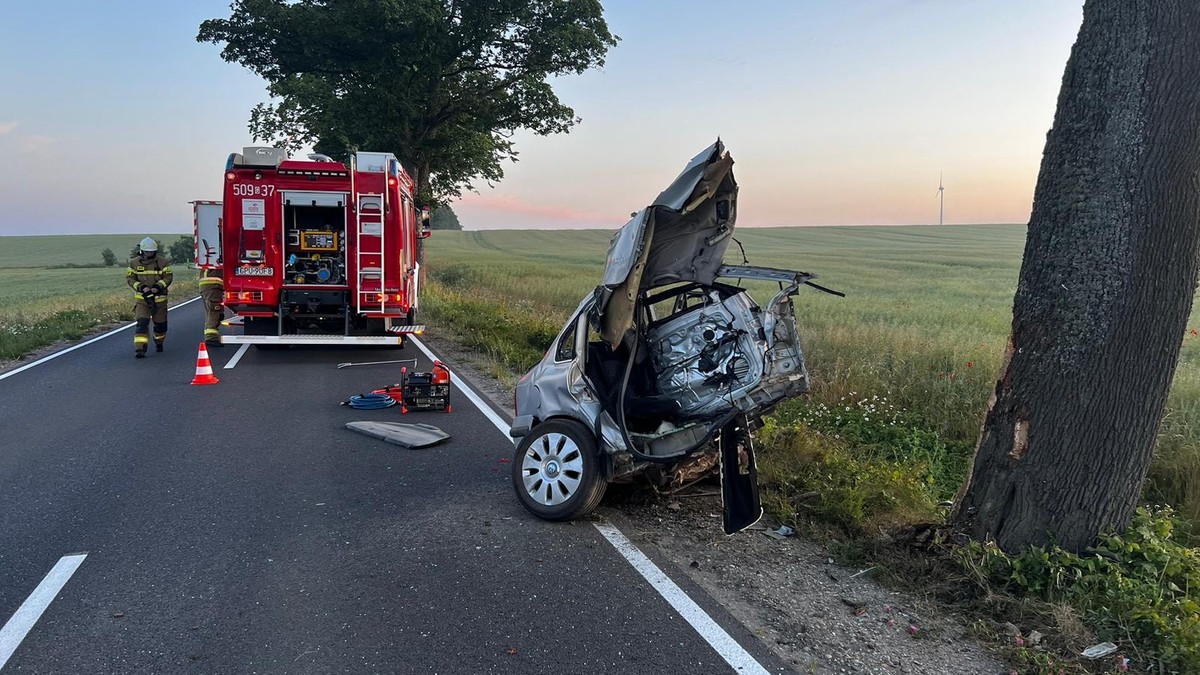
[(666, 360)]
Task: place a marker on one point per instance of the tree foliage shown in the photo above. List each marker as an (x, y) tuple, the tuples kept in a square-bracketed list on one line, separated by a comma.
[(183, 249), (443, 84), (444, 218), (109, 257)]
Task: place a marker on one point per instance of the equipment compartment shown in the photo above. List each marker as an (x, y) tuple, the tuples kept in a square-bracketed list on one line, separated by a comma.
[(315, 240)]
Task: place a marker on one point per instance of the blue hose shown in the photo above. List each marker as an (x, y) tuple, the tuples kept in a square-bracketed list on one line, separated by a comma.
[(370, 401)]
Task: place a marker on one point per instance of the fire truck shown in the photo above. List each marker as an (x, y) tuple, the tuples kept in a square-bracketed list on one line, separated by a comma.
[(317, 251)]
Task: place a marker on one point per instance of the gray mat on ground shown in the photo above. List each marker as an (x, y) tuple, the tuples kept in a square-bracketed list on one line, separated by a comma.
[(408, 435)]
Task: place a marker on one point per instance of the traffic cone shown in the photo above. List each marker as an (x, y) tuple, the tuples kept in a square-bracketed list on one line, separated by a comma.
[(204, 371)]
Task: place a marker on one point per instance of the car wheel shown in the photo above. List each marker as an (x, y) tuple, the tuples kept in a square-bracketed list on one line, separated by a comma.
[(556, 471)]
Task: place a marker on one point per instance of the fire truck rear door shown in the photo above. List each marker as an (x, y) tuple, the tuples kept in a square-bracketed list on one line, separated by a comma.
[(208, 233)]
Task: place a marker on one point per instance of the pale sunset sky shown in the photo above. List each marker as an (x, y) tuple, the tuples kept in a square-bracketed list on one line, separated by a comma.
[(837, 112)]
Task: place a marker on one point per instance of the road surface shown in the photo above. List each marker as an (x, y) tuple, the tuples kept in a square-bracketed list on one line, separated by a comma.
[(150, 526)]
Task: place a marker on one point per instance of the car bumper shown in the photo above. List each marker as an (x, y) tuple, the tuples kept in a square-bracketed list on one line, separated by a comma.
[(521, 426)]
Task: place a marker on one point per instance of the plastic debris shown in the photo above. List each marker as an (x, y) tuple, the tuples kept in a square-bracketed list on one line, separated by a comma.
[(1102, 649), (407, 435), (867, 572), (782, 533)]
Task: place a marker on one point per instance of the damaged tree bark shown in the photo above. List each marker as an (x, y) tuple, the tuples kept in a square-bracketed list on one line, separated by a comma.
[(1105, 288)]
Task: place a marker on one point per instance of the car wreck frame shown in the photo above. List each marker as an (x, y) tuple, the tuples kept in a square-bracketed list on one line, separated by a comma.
[(666, 367)]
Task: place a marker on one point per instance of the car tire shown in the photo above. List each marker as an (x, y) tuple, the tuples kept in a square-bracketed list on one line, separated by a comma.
[(556, 471)]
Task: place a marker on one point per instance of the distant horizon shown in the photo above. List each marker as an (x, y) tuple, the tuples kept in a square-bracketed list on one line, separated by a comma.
[(540, 229)]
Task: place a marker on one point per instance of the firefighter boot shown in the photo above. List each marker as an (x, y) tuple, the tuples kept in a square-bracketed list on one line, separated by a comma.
[(140, 340), (160, 334)]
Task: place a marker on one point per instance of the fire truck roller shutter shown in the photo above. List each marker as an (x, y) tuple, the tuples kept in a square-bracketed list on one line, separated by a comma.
[(334, 199)]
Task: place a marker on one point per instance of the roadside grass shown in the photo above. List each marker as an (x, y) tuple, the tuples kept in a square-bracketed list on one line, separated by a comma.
[(922, 326), (41, 305), (902, 370)]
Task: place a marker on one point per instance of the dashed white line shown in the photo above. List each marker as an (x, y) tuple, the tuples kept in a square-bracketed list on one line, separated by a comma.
[(17, 627), (237, 357), (81, 345), (717, 638)]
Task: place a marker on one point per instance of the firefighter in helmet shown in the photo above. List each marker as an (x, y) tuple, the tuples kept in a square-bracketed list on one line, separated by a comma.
[(212, 291), (149, 275)]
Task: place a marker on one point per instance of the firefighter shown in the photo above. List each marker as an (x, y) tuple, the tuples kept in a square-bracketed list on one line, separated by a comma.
[(149, 275), (212, 291)]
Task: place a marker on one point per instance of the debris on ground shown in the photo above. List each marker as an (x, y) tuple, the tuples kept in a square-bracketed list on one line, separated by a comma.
[(782, 533), (1101, 650)]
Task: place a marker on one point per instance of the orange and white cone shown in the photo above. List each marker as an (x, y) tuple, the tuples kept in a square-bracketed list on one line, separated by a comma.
[(204, 371)]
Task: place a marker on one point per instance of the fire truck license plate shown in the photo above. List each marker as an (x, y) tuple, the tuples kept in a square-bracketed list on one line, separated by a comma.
[(248, 271)]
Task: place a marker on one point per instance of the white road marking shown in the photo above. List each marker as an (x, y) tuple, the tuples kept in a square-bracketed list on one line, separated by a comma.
[(467, 391), (237, 357), (728, 648), (68, 350), (31, 610)]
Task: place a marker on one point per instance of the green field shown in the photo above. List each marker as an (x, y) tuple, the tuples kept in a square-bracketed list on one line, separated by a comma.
[(923, 323), (922, 326), (50, 292)]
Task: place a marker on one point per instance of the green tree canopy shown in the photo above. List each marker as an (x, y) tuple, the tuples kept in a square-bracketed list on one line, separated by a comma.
[(183, 249), (444, 218), (443, 84)]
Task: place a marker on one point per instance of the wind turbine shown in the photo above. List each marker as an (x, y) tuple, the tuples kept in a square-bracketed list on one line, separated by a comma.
[(941, 195)]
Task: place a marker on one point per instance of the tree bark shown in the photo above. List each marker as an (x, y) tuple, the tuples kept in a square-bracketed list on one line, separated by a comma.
[(1105, 288)]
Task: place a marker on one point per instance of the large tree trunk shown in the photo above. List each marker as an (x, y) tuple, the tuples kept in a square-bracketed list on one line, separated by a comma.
[(1105, 288)]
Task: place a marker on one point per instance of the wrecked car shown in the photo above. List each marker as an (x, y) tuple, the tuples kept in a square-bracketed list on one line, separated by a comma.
[(668, 366)]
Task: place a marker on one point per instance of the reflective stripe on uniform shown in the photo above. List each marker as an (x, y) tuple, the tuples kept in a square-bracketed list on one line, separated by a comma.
[(141, 340), (208, 281), (211, 331)]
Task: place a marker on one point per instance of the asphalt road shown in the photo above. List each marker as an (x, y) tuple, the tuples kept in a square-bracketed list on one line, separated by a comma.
[(239, 528)]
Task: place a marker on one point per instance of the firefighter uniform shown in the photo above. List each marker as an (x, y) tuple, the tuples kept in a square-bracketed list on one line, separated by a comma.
[(212, 291), (149, 275)]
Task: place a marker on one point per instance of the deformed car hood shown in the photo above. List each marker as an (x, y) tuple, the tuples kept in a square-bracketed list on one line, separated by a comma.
[(681, 236)]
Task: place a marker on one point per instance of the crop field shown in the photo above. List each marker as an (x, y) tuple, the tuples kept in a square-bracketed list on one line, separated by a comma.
[(917, 339), (55, 287)]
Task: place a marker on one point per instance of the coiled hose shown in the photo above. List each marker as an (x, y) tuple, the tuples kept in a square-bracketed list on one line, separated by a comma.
[(370, 401)]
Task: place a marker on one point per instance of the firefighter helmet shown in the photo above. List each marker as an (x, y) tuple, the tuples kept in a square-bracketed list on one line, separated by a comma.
[(148, 245)]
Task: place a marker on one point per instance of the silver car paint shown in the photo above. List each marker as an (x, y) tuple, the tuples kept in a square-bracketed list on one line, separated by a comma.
[(689, 349)]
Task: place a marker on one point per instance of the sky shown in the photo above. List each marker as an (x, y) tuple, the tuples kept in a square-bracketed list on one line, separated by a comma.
[(113, 118)]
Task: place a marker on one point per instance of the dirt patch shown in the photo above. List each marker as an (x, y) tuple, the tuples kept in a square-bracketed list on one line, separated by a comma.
[(817, 616)]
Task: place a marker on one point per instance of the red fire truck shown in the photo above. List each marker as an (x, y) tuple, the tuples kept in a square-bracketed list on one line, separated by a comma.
[(318, 252)]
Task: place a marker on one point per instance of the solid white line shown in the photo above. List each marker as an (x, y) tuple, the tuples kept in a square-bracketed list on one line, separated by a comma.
[(461, 384), (237, 357), (68, 350), (31, 610), (728, 648)]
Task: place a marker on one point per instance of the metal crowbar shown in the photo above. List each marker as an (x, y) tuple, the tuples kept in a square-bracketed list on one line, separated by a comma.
[(376, 363)]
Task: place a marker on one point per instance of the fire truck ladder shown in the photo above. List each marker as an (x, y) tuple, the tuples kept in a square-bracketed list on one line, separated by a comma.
[(369, 210)]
